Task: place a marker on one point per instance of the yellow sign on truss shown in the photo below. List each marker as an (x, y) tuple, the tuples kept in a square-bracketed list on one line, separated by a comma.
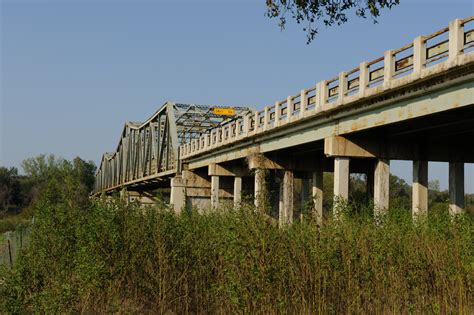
[(223, 111)]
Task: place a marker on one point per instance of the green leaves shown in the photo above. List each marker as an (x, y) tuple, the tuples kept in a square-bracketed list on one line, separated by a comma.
[(328, 12), (108, 256)]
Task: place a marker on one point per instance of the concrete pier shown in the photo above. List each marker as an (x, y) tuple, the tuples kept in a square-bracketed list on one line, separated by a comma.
[(178, 194), (317, 194), (341, 181), (456, 188), (420, 188), (215, 192), (260, 189), (287, 197), (237, 190), (381, 186)]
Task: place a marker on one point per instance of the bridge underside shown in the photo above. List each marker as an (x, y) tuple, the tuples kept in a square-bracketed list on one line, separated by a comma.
[(434, 124), (440, 129)]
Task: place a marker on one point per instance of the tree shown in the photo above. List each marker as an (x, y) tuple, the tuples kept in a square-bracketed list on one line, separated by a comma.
[(400, 193), (434, 185), (8, 185), (85, 172), (330, 12), (44, 169)]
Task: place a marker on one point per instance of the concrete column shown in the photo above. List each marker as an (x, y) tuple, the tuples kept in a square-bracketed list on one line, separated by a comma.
[(214, 191), (381, 186), (317, 193), (341, 182), (237, 190), (260, 187), (456, 188), (304, 193), (286, 214), (420, 188), (124, 195), (341, 179), (370, 185), (281, 205), (178, 194)]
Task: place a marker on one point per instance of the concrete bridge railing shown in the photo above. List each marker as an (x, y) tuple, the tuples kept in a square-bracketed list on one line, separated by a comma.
[(424, 57)]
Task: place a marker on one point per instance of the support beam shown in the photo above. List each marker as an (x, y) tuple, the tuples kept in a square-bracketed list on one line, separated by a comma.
[(178, 194), (287, 197), (260, 189), (260, 161), (456, 188), (420, 189), (222, 170), (317, 193), (374, 147), (215, 192), (237, 190), (381, 186), (341, 182)]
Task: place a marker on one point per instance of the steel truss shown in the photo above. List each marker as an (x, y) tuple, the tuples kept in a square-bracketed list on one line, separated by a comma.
[(148, 149)]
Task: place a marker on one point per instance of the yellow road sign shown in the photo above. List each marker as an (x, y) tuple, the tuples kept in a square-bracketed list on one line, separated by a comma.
[(224, 111)]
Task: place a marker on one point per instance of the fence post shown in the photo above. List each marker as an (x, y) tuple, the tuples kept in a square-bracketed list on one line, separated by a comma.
[(10, 252)]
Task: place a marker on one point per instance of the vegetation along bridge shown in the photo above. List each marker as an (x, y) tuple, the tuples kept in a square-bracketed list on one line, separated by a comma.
[(414, 103)]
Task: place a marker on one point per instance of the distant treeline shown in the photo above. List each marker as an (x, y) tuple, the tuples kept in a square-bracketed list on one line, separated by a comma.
[(17, 192)]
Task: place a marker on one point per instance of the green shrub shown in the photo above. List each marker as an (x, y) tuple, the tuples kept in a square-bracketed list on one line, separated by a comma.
[(107, 256)]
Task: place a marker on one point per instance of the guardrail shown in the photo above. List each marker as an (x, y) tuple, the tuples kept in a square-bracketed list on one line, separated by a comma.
[(423, 57)]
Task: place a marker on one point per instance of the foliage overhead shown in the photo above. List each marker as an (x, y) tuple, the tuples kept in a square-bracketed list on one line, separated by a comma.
[(329, 12)]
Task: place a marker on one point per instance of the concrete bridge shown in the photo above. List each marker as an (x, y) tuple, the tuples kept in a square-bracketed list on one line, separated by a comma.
[(414, 103)]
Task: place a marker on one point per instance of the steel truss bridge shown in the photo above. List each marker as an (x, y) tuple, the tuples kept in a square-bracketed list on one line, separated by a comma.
[(148, 152)]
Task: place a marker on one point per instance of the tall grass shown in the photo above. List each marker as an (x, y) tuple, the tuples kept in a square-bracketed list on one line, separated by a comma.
[(106, 256)]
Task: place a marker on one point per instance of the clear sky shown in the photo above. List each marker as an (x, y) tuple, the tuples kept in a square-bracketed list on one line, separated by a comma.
[(73, 71)]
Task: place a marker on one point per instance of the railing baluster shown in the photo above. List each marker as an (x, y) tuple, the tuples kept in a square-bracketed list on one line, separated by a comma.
[(322, 94), (303, 102), (419, 56), (289, 108), (247, 125), (389, 68), (266, 119), (342, 89), (255, 122), (363, 78), (456, 40), (276, 123)]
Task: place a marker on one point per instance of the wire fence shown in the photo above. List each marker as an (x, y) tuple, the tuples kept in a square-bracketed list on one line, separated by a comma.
[(11, 243)]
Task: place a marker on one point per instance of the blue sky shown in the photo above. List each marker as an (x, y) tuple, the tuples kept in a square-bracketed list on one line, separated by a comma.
[(73, 71)]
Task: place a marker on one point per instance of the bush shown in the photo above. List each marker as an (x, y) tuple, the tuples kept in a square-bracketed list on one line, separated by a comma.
[(107, 256)]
